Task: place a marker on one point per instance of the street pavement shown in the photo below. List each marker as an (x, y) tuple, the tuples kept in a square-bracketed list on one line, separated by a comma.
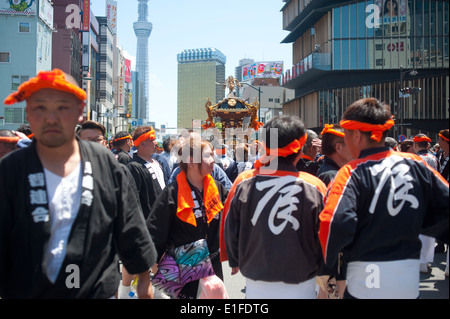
[(433, 285)]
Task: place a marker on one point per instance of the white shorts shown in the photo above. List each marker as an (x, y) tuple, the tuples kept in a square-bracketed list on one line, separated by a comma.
[(280, 290)]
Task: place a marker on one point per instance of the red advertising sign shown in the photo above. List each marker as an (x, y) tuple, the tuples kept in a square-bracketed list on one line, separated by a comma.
[(127, 71), (86, 15)]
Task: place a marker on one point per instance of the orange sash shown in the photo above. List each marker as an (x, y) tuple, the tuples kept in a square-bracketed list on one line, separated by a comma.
[(143, 137), (55, 79), (376, 129), (185, 202)]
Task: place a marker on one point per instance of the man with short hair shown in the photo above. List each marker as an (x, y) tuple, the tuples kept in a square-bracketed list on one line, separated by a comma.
[(391, 142), (335, 153), (122, 144), (146, 171), (67, 212), (93, 132), (270, 223), (421, 146), (307, 162), (377, 206)]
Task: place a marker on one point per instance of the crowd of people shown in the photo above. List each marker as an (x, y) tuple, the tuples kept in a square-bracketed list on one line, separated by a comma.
[(299, 214)]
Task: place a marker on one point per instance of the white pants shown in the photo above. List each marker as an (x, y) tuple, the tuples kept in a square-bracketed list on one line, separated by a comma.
[(280, 290), (427, 250), (398, 279)]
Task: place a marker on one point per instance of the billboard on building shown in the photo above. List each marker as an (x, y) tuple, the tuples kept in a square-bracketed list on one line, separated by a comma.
[(86, 16), (46, 12), (262, 70), (127, 71), (392, 16), (111, 15), (18, 7), (121, 93)]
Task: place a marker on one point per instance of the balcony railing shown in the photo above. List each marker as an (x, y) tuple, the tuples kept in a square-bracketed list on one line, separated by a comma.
[(316, 61)]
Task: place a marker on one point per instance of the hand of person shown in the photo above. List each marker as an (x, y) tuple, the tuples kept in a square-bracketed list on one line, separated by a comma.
[(317, 145), (234, 270)]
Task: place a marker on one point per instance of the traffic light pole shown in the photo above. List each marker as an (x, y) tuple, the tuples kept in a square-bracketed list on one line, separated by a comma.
[(400, 110)]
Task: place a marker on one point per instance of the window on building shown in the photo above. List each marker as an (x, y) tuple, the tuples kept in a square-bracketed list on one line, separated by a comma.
[(24, 27), (13, 115), (17, 80), (5, 57)]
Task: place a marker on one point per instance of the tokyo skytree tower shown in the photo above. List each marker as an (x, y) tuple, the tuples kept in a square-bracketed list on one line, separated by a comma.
[(142, 29)]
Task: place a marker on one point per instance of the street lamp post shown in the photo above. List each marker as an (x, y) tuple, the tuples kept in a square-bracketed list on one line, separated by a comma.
[(399, 125), (259, 98)]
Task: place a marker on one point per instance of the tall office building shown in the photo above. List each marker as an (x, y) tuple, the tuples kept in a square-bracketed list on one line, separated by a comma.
[(198, 72), (142, 29), (347, 50)]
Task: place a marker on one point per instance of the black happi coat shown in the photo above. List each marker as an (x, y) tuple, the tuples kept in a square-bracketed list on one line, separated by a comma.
[(147, 184), (168, 230), (109, 222)]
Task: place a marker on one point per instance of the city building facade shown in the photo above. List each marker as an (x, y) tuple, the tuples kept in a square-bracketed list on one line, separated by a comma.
[(201, 75), (25, 50), (347, 50), (105, 98)]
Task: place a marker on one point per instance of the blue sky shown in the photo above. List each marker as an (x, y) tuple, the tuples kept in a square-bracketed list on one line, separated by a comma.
[(238, 28)]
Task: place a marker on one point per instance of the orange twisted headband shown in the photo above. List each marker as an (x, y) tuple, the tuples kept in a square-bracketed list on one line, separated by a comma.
[(149, 135), (376, 129), (421, 139), (329, 129)]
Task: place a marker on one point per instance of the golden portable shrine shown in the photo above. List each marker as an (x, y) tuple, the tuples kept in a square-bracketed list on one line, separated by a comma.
[(232, 112)]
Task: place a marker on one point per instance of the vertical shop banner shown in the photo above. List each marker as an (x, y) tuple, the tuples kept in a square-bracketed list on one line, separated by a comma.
[(111, 15), (86, 15)]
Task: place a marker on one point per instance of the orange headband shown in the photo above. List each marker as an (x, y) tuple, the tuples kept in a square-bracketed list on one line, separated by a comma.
[(122, 138), (330, 130), (292, 148), (55, 79), (444, 138), (421, 139), (376, 129), (9, 140), (145, 136)]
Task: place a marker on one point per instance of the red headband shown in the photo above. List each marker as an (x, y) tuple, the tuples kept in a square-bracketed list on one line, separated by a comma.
[(376, 129), (421, 139), (55, 79), (330, 130), (145, 136)]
